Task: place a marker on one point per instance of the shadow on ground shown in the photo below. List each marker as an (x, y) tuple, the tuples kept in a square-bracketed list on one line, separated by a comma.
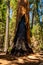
[(12, 60)]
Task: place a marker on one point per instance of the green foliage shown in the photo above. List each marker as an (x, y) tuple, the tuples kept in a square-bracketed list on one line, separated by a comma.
[(31, 1), (36, 29), (2, 20), (2, 11), (12, 24), (38, 36), (41, 46), (2, 32), (2, 27)]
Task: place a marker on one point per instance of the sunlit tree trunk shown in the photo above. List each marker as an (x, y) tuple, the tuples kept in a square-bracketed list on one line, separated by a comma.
[(22, 37), (7, 26), (25, 4)]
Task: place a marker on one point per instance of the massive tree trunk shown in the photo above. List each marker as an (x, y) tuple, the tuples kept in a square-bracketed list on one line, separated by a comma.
[(22, 38), (24, 4)]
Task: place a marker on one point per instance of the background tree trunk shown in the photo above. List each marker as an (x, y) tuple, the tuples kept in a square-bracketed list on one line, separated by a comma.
[(7, 26)]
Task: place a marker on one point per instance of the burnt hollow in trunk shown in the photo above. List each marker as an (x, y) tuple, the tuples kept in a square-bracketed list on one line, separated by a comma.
[(21, 46)]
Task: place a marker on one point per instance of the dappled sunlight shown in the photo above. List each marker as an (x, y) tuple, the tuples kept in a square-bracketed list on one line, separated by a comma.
[(20, 60), (18, 0), (34, 56), (25, 1), (4, 62), (32, 59)]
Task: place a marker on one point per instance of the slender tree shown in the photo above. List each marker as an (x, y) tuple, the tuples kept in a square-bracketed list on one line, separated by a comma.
[(7, 26)]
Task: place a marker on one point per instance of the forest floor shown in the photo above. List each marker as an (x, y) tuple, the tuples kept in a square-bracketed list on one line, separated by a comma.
[(32, 59)]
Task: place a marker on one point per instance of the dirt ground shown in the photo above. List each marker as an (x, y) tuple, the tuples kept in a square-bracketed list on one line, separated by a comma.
[(33, 59)]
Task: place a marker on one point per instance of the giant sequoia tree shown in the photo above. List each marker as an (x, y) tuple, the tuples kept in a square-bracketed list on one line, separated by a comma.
[(23, 6), (22, 37)]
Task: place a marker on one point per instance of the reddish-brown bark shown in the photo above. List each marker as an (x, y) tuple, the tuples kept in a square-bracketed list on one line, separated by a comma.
[(24, 4)]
